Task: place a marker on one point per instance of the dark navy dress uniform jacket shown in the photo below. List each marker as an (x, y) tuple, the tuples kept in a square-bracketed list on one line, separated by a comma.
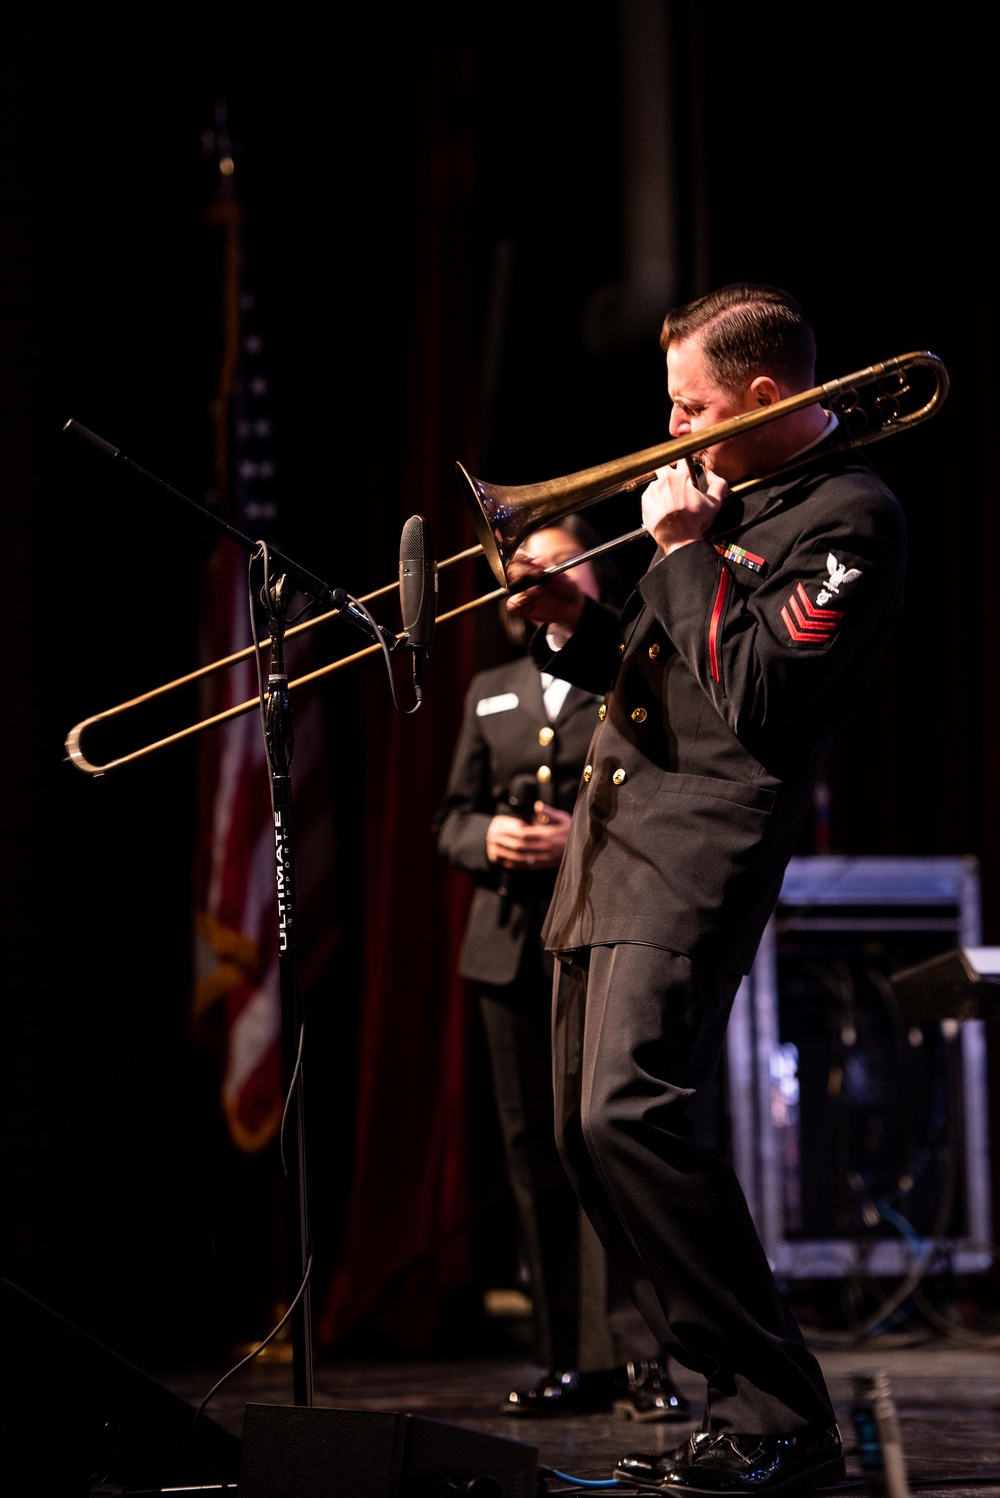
[(732, 664)]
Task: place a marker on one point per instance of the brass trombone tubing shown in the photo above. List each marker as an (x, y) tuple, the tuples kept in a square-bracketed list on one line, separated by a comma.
[(535, 506), (493, 505), (743, 487), (76, 755)]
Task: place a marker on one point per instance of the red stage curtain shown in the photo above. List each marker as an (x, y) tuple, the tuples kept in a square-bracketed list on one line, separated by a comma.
[(407, 1245)]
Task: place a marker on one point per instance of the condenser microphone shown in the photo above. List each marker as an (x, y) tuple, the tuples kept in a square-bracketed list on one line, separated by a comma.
[(418, 594)]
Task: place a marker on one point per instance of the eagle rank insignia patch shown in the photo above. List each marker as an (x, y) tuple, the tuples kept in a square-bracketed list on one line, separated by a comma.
[(839, 576), (811, 623)]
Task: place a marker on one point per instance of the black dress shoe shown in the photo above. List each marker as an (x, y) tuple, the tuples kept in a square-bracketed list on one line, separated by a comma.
[(649, 1393), (652, 1470), (729, 1464), (563, 1391)]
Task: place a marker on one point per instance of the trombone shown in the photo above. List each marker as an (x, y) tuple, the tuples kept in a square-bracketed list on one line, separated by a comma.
[(504, 516)]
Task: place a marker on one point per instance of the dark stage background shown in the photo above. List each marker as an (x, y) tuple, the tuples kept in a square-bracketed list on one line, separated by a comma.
[(457, 256)]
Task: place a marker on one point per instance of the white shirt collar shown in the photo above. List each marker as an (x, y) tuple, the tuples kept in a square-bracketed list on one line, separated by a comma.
[(832, 423), (554, 693)]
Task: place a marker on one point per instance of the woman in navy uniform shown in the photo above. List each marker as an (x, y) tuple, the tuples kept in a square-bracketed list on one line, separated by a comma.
[(505, 819)]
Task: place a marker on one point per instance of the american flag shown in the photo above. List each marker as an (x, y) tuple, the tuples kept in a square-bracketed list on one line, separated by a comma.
[(236, 1002)]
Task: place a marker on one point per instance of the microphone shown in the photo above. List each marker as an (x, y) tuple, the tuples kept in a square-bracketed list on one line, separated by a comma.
[(522, 794), (418, 585)]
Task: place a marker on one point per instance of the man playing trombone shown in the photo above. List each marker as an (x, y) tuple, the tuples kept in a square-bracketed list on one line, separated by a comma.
[(751, 637)]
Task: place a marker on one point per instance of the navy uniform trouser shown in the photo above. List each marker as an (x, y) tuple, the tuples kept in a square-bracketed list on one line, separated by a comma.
[(637, 1035), (583, 1317)]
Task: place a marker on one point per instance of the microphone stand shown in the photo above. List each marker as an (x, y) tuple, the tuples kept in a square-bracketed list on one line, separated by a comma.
[(279, 740)]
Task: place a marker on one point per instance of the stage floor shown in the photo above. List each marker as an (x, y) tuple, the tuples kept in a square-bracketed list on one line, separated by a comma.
[(947, 1397)]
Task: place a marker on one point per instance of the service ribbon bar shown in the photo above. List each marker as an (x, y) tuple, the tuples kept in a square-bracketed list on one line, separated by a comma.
[(734, 553)]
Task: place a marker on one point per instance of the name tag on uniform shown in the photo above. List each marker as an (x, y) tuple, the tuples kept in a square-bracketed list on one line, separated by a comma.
[(501, 704)]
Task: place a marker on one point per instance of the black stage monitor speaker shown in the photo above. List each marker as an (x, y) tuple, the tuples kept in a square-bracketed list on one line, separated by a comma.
[(295, 1452), (74, 1414), (961, 984)]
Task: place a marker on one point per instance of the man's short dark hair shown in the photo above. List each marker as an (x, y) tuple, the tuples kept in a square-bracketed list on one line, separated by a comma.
[(746, 331)]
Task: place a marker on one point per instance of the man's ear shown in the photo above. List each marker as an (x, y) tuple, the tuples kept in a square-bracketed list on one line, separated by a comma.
[(764, 391)]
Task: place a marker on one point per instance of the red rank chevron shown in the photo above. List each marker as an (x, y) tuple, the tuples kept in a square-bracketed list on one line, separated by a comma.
[(811, 626)]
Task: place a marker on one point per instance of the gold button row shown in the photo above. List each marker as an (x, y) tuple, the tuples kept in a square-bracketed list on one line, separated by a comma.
[(619, 777), (654, 650), (638, 715)]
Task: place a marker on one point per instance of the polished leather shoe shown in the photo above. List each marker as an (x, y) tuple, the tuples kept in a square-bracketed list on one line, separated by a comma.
[(728, 1464), (649, 1393), (652, 1470), (563, 1391)]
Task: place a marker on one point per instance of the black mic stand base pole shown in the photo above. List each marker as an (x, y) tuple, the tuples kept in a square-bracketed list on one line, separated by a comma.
[(278, 733)]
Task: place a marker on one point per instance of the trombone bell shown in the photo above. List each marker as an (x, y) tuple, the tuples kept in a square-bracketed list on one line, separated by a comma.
[(505, 515)]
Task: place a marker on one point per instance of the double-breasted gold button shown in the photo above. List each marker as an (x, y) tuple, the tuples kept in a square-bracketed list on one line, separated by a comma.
[(639, 715), (621, 648), (602, 711), (545, 736), (543, 774), (654, 651), (619, 777), (588, 770)]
